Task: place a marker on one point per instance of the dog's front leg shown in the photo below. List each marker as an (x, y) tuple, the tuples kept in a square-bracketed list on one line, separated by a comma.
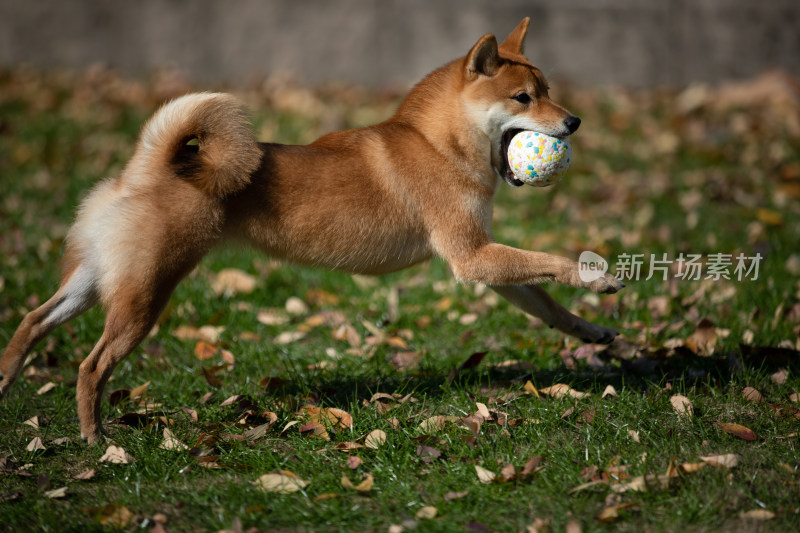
[(535, 301), (496, 264)]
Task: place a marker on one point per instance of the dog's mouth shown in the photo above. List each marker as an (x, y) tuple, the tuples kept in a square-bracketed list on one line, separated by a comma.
[(505, 168)]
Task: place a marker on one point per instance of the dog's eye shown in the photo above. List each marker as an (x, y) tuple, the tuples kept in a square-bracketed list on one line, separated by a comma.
[(523, 98)]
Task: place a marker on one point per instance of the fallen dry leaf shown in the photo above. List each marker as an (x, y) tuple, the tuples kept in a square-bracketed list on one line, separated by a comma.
[(116, 516), (609, 392), (35, 444), (84, 475), (314, 429), (116, 455), (433, 424), (611, 513), (450, 496), (365, 485), (405, 360), (728, 460), (171, 442), (46, 388), (737, 430), (354, 462), (749, 393), (204, 350), (289, 336), (484, 476), (32, 422), (231, 281), (282, 482), (757, 514), (375, 439), (530, 388), (634, 435), (426, 513), (682, 405), (560, 390), (56, 493)]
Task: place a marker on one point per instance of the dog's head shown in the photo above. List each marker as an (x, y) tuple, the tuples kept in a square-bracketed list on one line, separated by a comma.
[(504, 94)]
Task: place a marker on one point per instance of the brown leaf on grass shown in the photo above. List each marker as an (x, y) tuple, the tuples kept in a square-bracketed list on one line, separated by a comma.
[(354, 462), (428, 454), (85, 475), (211, 376), (751, 394), (282, 482), (572, 526), (205, 333), (35, 444), (634, 435), (691, 468), (327, 415), (609, 392), (272, 317), (116, 516), (375, 439), (757, 514), (433, 424), (365, 485), (450, 496), (737, 430), (728, 460), (532, 465), (116, 455), (611, 513), (426, 513), (191, 413), (232, 281), (348, 446), (346, 332), (704, 339), (507, 473), (530, 388), (56, 493), (562, 390), (405, 360), (288, 337), (171, 442), (32, 422), (46, 388), (780, 376), (794, 397), (587, 485), (682, 405), (314, 429), (204, 350), (484, 475)]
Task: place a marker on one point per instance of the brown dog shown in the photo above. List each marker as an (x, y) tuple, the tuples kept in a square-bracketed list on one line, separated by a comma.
[(371, 200)]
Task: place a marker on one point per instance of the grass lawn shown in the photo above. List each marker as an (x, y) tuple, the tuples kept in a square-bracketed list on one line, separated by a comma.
[(296, 399)]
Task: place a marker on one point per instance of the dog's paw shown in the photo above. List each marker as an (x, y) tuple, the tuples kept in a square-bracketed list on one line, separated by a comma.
[(600, 335), (608, 284)]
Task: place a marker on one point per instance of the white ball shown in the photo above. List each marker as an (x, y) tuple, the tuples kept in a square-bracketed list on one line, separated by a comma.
[(538, 159)]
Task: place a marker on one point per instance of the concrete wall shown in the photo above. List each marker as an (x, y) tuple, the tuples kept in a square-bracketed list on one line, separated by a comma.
[(640, 43)]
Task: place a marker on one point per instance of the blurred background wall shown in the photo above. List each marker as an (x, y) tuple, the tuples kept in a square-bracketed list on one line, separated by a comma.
[(634, 43)]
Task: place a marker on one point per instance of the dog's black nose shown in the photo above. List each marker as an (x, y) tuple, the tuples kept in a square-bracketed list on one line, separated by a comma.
[(572, 122)]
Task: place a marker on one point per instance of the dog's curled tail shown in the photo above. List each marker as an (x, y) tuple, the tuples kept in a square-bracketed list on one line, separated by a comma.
[(204, 139)]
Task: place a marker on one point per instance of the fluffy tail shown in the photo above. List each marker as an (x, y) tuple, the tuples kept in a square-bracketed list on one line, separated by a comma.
[(205, 139)]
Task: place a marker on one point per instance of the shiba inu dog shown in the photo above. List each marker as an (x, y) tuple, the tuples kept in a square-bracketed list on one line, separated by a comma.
[(371, 200)]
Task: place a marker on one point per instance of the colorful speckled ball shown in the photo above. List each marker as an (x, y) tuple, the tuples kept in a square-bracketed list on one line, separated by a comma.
[(538, 159)]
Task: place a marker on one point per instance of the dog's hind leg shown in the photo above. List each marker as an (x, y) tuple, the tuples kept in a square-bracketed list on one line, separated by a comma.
[(534, 300), (76, 295), (130, 315)]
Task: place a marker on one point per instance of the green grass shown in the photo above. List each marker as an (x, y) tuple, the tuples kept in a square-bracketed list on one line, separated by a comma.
[(639, 164)]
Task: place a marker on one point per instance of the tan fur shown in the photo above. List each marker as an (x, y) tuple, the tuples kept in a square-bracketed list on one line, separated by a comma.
[(372, 200)]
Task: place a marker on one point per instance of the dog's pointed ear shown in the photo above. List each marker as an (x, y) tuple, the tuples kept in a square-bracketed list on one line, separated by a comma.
[(483, 59), (515, 42)]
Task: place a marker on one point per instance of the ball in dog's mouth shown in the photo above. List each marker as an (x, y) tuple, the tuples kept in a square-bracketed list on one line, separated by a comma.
[(535, 158)]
